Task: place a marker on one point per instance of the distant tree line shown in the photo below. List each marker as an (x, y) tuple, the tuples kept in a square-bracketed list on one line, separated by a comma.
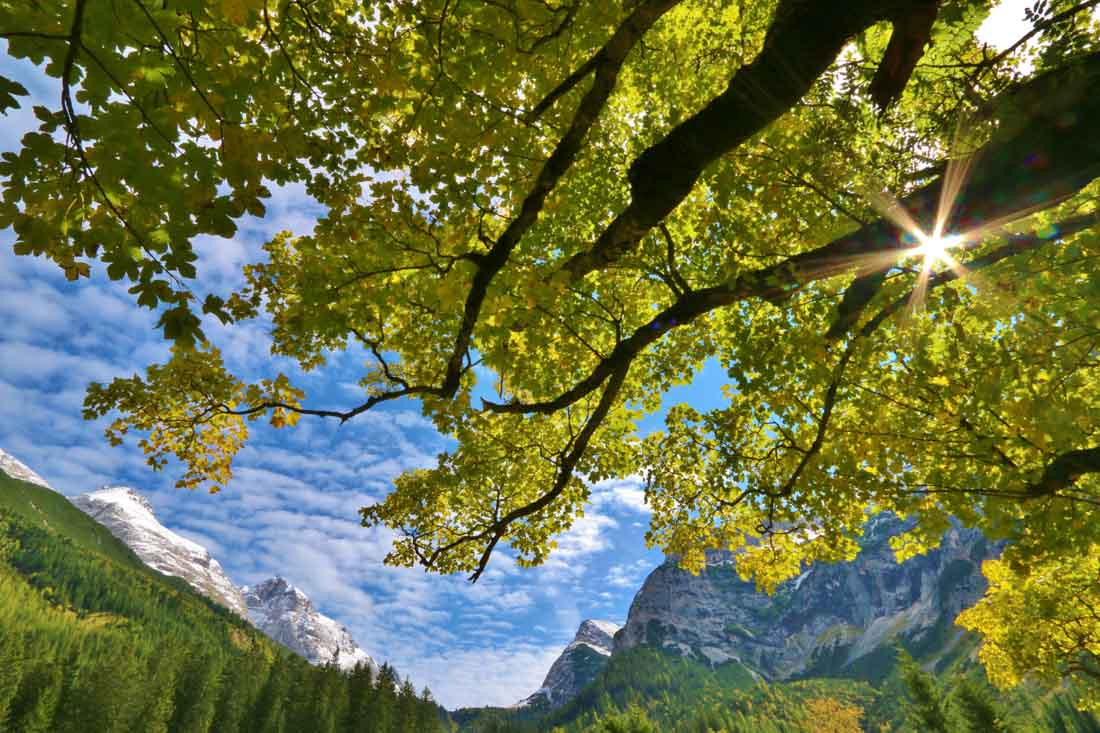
[(646, 690), (90, 644)]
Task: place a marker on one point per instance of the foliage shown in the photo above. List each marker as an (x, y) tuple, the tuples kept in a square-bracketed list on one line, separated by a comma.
[(1039, 619), (588, 201), (926, 709), (92, 641)]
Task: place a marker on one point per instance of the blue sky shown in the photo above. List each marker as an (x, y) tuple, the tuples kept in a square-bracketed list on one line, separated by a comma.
[(291, 508)]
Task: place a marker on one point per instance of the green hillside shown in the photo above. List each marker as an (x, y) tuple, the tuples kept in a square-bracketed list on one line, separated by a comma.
[(41, 507), (646, 689), (93, 640)]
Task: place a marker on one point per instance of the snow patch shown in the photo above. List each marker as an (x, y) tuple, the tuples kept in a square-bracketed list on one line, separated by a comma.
[(15, 468), (130, 518)]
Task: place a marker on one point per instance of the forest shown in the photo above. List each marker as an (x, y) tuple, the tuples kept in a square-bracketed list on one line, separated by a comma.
[(93, 640), (648, 690)]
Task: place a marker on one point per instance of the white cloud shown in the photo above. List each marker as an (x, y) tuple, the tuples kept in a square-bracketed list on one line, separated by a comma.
[(500, 677), (628, 494)]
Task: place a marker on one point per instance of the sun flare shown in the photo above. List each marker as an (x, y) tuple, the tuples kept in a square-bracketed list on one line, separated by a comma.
[(934, 248)]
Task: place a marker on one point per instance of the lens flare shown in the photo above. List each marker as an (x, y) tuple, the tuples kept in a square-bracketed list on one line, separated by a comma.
[(934, 248)]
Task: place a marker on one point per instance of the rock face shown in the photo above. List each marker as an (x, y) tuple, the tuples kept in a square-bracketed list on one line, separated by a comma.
[(15, 468), (130, 518), (578, 664), (833, 618), (287, 615)]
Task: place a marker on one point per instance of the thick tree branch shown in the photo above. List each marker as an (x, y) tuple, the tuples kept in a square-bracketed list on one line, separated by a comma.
[(912, 30), (614, 53), (1064, 470), (804, 39), (763, 283)]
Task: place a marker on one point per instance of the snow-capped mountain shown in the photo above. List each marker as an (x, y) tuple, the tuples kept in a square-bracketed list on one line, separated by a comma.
[(129, 517), (15, 468), (577, 665), (286, 614), (275, 607)]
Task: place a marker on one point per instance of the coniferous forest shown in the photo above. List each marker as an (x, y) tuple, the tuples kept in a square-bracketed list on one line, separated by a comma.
[(647, 690), (92, 640)]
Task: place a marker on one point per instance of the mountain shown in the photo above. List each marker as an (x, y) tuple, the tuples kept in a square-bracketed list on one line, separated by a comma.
[(710, 652), (130, 518), (93, 639), (275, 607), (16, 469), (286, 614), (833, 619), (578, 664)]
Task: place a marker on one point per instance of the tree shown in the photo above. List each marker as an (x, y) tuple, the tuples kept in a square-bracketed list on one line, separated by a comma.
[(925, 709), (975, 710), (887, 243), (1041, 620), (827, 715), (632, 720)]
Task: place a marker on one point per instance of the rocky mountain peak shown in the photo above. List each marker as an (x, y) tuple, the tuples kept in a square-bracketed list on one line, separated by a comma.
[(129, 516), (830, 619), (600, 635), (577, 665), (123, 496), (15, 468), (288, 616), (278, 589)]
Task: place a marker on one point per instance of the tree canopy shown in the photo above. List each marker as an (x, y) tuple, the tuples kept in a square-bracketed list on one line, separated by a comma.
[(882, 229)]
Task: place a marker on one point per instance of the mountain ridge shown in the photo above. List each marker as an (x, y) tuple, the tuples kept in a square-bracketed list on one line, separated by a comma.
[(827, 619), (15, 468), (577, 665), (296, 624), (288, 616), (130, 517)]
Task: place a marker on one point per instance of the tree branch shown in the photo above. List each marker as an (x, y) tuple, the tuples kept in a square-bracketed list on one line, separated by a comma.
[(489, 264), (565, 471), (1064, 470), (806, 36)]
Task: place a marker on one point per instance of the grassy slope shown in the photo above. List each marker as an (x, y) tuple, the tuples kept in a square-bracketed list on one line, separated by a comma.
[(90, 633), (84, 545), (42, 507)]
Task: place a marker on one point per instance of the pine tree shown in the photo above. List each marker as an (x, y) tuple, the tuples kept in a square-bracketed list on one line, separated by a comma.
[(975, 709), (40, 693), (925, 709), (406, 708), (197, 691), (427, 714), (383, 712), (360, 682), (12, 661), (268, 713)]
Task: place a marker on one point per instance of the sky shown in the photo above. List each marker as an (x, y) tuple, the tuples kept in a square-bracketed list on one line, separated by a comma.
[(290, 509)]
